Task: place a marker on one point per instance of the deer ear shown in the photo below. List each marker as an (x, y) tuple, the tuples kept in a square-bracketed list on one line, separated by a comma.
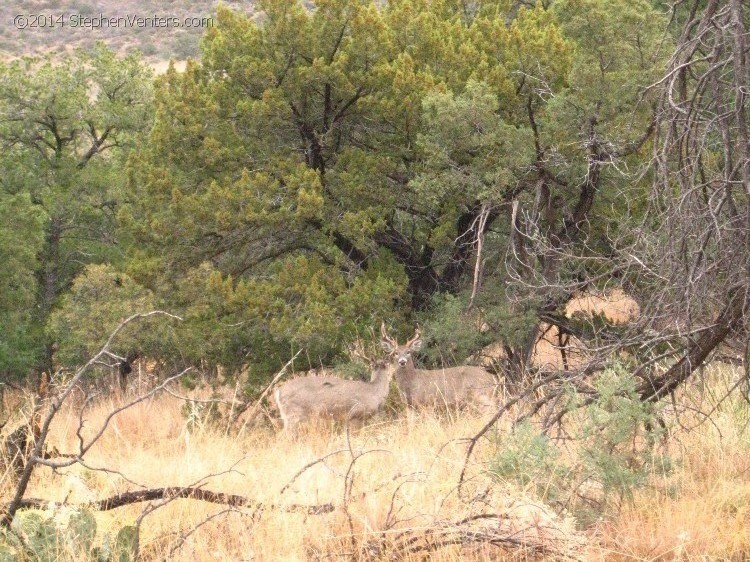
[(387, 345), (416, 345)]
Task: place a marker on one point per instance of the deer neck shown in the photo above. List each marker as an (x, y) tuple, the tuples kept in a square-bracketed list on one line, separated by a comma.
[(405, 374), (380, 380)]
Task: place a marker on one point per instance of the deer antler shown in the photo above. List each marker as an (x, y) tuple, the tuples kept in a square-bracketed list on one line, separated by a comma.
[(357, 351), (417, 335), (384, 333)]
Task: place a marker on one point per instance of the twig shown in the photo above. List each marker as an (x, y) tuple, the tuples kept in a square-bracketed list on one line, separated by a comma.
[(268, 388), (482, 220)]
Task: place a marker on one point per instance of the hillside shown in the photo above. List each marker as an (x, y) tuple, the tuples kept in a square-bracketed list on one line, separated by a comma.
[(160, 30)]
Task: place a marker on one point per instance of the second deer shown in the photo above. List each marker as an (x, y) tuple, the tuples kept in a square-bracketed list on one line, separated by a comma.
[(451, 387), (332, 398)]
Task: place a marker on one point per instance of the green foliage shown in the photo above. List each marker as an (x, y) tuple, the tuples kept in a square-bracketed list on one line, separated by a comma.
[(620, 50), (21, 239), (617, 454), (469, 154), (270, 182), (99, 300), (450, 335), (612, 452), (81, 530), (453, 334), (262, 322), (125, 544), (320, 171), (527, 458), (49, 537), (66, 126), (40, 536)]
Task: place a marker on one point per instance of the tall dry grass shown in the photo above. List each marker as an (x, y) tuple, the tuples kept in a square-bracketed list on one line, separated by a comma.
[(394, 488), (701, 511)]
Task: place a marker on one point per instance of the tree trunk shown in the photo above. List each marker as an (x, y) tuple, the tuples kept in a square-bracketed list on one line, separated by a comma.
[(729, 319), (49, 286)]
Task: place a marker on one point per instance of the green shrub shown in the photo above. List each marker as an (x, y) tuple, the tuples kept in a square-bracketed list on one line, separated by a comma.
[(527, 457), (607, 454)]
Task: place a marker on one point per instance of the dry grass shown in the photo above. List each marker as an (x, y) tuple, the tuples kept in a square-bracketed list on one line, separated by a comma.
[(391, 483), (702, 510)]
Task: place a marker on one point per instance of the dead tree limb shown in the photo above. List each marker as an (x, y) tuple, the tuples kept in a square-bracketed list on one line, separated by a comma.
[(488, 529), (176, 492), (698, 350)]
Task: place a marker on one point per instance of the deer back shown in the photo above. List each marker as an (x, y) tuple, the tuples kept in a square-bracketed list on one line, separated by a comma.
[(453, 386), (302, 399)]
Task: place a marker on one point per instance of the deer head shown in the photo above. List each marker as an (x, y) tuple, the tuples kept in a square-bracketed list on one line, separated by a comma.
[(402, 354)]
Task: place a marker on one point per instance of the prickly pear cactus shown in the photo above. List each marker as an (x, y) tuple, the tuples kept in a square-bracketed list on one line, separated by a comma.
[(81, 531), (66, 535), (40, 533), (10, 547), (125, 544)]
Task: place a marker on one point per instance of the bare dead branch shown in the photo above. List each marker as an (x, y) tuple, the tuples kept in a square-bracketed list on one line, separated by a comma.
[(54, 407), (177, 492)]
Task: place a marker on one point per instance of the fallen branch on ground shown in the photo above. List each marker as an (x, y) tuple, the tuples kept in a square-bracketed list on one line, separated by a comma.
[(482, 530), (174, 492)]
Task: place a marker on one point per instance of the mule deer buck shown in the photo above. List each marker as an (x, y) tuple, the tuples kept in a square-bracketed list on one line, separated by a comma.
[(450, 387), (306, 398)]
